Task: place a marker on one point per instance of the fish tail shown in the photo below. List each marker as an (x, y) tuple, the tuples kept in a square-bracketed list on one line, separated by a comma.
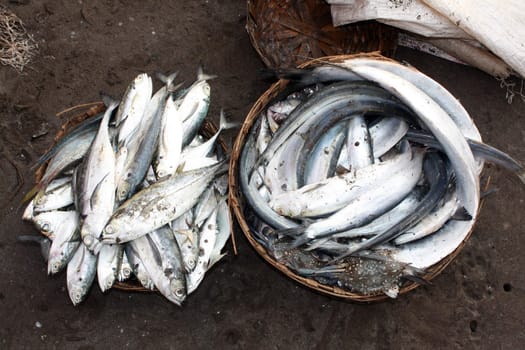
[(166, 79), (203, 76), (295, 74), (109, 101), (521, 175), (224, 124)]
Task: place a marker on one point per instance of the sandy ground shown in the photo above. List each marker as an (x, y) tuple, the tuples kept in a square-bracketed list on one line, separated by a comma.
[(477, 302)]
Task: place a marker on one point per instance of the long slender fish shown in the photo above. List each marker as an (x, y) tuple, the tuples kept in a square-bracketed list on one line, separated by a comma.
[(358, 143), (70, 154), (435, 170), (287, 149), (480, 150), (440, 124), (323, 160), (247, 162), (56, 198), (378, 225), (379, 199), (318, 199), (433, 221)]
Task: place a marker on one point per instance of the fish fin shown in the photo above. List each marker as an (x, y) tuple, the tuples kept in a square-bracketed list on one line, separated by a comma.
[(417, 279), (462, 214), (202, 76), (295, 74), (186, 233), (94, 194), (293, 231)]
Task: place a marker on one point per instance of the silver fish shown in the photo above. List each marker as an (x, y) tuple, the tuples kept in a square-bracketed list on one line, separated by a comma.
[(318, 199), (66, 240), (379, 199), (97, 192), (170, 141), (439, 122), (132, 107), (56, 198), (358, 143), (109, 261), (81, 271), (322, 162), (159, 204), (208, 236)]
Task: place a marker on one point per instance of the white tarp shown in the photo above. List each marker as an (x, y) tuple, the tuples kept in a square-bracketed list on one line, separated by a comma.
[(498, 25)]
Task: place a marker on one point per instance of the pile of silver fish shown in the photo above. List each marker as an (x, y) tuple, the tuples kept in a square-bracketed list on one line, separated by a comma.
[(362, 174), (136, 192)]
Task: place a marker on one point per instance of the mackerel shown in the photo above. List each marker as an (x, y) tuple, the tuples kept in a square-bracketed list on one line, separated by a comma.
[(81, 271), (159, 204), (97, 185), (109, 261), (66, 240)]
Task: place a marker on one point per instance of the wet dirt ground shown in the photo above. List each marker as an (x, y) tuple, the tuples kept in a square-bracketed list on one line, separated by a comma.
[(88, 47)]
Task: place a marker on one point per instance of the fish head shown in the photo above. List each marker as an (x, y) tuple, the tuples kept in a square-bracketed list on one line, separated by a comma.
[(125, 273), (28, 212), (178, 289), (123, 191), (54, 264), (77, 292), (106, 282), (190, 263), (45, 227), (204, 89)]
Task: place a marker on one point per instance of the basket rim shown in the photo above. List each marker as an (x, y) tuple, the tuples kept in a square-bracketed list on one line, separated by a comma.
[(235, 199)]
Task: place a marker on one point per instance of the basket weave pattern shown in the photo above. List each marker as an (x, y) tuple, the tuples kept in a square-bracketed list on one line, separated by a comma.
[(286, 33)]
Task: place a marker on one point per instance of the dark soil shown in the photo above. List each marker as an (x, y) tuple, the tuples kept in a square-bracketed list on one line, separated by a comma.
[(101, 45)]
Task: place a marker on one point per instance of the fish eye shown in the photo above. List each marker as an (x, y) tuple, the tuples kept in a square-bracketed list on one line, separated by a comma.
[(179, 292), (45, 227)]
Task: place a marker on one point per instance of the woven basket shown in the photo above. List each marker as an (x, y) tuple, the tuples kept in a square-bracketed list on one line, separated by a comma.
[(287, 33), (237, 201), (207, 130)]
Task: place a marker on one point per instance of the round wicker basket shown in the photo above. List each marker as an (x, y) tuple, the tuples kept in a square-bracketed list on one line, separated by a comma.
[(287, 33), (208, 129), (238, 204)]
